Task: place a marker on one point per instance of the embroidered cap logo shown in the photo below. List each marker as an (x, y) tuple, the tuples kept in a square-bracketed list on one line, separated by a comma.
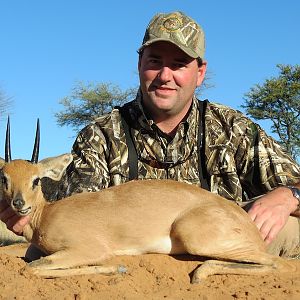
[(172, 24)]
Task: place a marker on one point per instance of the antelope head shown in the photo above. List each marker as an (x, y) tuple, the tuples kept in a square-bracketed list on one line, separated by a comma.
[(21, 179)]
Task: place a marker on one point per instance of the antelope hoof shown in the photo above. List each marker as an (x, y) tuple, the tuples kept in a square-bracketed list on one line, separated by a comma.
[(195, 280), (122, 269), (37, 263)]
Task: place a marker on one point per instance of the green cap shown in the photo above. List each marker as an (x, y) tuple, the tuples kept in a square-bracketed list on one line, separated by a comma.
[(178, 29)]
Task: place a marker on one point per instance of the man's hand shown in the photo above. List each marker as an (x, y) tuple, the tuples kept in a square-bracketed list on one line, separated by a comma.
[(270, 212), (13, 222)]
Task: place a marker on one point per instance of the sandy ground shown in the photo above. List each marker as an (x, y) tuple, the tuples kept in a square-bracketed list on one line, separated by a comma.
[(151, 276)]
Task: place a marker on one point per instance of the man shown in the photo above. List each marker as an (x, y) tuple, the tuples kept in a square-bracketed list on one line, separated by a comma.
[(167, 133)]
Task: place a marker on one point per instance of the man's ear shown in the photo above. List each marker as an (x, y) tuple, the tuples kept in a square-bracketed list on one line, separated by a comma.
[(139, 63), (201, 73), (54, 167)]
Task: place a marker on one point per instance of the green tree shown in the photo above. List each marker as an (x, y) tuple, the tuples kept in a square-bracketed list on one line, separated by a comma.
[(278, 100), (89, 101)]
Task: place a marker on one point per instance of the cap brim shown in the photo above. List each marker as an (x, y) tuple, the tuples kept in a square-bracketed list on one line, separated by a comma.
[(186, 50)]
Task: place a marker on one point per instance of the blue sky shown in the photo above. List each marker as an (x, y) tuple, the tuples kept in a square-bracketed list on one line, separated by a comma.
[(46, 46)]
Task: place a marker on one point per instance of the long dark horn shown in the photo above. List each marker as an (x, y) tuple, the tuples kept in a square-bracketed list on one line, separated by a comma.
[(36, 148), (7, 142)]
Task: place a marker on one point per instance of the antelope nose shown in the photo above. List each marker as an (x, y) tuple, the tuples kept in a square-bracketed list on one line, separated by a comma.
[(18, 203)]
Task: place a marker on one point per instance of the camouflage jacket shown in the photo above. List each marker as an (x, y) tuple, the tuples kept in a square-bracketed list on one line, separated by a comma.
[(242, 162)]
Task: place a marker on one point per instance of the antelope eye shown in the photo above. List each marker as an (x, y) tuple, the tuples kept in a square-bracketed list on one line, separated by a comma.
[(4, 181), (35, 182)]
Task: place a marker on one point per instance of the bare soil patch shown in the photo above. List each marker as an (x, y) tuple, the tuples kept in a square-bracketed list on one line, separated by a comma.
[(152, 276)]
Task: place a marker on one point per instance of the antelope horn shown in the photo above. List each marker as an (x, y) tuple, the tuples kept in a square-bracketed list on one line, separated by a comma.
[(7, 142), (36, 148)]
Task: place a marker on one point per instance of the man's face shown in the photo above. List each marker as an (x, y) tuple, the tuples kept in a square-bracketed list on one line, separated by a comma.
[(168, 78)]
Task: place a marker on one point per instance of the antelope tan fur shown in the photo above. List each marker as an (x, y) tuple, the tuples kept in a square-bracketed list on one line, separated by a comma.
[(138, 217)]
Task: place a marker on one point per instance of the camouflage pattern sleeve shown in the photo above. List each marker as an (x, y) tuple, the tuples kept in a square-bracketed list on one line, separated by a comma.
[(265, 165), (88, 171), (242, 160)]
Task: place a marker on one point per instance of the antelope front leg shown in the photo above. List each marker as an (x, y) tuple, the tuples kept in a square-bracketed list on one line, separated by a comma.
[(67, 263)]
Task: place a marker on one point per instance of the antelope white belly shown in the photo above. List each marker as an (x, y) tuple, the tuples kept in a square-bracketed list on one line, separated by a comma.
[(162, 245)]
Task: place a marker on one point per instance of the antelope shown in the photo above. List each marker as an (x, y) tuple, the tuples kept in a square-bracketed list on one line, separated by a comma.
[(80, 232)]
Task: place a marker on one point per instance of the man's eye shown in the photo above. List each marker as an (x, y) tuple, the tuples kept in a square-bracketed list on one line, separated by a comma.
[(35, 182), (179, 65), (153, 61)]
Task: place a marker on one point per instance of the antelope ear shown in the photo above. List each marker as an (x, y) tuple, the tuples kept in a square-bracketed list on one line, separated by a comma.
[(2, 162), (54, 167)]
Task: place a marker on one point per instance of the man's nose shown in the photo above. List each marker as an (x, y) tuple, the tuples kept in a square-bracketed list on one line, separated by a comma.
[(165, 74)]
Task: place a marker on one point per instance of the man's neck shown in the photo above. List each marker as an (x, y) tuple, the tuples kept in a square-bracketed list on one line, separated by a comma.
[(169, 125)]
